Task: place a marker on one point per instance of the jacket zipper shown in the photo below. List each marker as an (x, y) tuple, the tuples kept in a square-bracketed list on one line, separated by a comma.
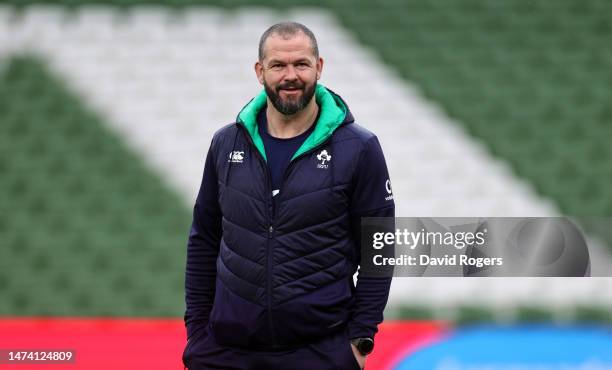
[(270, 234), (271, 221)]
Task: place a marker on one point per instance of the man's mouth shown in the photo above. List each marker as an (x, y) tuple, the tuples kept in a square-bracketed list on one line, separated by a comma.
[(290, 90)]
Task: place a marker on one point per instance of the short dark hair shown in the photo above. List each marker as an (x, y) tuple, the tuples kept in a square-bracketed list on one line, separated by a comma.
[(286, 30)]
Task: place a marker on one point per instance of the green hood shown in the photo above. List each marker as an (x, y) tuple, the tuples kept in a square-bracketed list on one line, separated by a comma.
[(333, 113)]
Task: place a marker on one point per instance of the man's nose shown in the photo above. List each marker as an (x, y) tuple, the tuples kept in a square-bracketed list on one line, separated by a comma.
[(290, 73)]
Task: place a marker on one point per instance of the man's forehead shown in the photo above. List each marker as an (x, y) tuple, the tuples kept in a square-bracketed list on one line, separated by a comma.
[(288, 46)]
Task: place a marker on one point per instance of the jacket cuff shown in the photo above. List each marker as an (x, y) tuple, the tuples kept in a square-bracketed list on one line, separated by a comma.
[(356, 330), (195, 327)]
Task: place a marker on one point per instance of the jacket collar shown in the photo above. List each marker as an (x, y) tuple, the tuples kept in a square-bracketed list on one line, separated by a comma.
[(334, 112)]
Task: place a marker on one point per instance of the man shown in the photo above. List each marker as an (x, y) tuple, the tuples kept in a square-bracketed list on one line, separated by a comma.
[(274, 242)]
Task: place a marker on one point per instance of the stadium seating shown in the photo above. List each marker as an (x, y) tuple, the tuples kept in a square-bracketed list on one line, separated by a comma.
[(75, 239)]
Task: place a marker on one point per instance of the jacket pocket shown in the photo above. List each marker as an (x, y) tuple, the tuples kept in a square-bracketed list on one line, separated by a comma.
[(195, 337), (314, 315), (235, 321), (351, 354)]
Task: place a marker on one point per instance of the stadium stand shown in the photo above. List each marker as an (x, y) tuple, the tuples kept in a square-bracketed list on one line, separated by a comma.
[(86, 229)]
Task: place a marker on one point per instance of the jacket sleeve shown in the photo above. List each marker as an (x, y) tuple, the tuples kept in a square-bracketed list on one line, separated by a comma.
[(202, 250), (372, 197)]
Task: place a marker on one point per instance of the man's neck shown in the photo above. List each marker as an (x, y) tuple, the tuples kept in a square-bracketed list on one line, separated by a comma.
[(285, 127)]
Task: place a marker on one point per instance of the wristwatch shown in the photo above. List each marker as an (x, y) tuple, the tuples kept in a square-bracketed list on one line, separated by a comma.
[(364, 345)]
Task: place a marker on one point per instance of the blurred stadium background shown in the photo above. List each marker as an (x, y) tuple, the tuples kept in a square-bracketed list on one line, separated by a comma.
[(107, 108)]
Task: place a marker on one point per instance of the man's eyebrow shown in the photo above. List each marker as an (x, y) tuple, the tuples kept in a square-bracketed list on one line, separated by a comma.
[(276, 61)]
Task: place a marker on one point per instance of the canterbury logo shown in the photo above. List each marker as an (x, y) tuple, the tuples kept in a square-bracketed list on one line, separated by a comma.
[(236, 156)]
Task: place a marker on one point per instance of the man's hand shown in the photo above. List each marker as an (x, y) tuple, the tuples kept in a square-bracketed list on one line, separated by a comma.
[(361, 359)]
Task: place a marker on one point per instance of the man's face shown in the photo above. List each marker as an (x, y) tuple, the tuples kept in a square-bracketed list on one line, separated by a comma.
[(289, 72)]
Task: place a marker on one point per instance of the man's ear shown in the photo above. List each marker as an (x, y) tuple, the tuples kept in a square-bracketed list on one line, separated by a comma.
[(259, 72), (319, 68)]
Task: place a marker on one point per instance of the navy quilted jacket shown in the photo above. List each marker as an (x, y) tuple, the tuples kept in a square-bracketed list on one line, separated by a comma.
[(274, 272)]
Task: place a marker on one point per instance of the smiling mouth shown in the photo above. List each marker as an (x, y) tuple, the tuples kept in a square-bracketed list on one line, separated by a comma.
[(290, 87), (291, 91)]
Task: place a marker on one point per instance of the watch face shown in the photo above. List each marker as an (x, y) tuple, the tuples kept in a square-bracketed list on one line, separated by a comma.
[(365, 346)]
